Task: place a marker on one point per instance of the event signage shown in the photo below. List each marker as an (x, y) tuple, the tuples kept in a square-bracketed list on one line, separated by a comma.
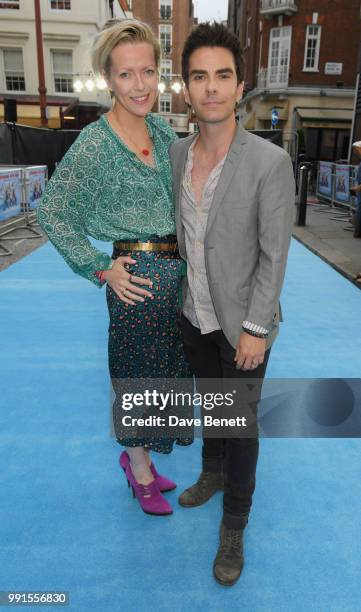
[(10, 193), (325, 179), (342, 186), (35, 184)]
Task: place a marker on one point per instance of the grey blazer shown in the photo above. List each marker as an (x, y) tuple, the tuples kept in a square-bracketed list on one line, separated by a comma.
[(248, 231)]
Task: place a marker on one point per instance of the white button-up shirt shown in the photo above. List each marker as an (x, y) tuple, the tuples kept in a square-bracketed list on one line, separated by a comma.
[(198, 306)]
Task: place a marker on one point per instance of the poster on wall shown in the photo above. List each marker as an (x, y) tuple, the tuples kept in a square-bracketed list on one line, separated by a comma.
[(10, 193), (35, 181), (325, 179), (342, 186)]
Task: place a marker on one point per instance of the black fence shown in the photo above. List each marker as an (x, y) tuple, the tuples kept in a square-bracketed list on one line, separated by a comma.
[(23, 145)]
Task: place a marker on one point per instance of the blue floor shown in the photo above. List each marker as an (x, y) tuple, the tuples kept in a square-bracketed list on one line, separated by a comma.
[(68, 521)]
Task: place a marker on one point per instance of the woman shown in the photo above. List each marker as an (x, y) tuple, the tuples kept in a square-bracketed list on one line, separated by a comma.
[(114, 184)]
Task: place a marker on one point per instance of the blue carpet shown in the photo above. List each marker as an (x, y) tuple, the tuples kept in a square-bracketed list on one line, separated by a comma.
[(68, 521)]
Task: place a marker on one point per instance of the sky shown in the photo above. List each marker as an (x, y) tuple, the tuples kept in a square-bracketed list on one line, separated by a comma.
[(211, 9)]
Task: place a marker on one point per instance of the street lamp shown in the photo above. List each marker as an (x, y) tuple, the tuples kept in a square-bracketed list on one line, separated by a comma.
[(177, 87), (100, 84), (78, 86), (89, 82)]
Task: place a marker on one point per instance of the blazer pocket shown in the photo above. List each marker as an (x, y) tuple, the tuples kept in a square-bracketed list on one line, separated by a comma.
[(243, 292)]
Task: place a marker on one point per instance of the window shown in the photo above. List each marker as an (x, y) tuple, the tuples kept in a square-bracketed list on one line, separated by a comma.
[(63, 71), (166, 69), (165, 9), (165, 35), (9, 4), (312, 48), (14, 69), (279, 57), (60, 5), (165, 103)]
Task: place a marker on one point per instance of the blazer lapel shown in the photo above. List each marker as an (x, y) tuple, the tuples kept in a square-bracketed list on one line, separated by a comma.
[(234, 156)]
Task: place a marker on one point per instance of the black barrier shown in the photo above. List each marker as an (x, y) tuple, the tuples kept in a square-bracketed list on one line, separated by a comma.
[(24, 145), (6, 145)]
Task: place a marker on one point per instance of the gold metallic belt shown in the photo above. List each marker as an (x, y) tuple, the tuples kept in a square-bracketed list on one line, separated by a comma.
[(146, 246)]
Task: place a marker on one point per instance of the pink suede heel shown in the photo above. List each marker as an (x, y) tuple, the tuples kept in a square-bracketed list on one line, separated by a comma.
[(150, 499), (164, 484)]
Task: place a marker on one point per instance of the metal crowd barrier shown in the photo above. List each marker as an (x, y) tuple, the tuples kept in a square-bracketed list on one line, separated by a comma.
[(334, 182), (21, 188), (333, 191)]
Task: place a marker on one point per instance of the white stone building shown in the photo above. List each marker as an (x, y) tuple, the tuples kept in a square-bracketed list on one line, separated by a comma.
[(68, 28)]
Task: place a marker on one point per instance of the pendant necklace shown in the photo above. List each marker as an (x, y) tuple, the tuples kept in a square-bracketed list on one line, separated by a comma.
[(144, 151)]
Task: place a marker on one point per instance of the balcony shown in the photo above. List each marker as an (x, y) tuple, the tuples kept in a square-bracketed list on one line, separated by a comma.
[(271, 8), (273, 78), (165, 13)]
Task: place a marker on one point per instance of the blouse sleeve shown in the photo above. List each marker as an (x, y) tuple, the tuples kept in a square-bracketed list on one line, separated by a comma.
[(70, 193)]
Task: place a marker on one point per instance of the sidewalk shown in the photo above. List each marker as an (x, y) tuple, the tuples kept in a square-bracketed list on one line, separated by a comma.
[(19, 243), (329, 235)]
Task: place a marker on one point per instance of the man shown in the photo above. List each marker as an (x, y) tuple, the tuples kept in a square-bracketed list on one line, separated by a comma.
[(356, 190), (234, 209)]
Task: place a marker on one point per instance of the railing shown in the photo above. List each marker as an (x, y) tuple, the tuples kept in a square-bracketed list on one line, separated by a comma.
[(273, 78), (276, 7)]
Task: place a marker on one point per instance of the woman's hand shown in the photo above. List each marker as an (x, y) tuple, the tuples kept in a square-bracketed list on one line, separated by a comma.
[(123, 283)]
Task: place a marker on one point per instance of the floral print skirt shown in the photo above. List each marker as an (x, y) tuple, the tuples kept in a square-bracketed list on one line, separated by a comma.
[(145, 343)]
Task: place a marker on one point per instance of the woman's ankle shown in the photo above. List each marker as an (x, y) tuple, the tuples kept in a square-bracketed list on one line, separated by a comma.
[(142, 473)]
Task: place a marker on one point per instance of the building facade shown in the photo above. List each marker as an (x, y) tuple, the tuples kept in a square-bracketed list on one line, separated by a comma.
[(68, 29), (301, 58), (171, 21)]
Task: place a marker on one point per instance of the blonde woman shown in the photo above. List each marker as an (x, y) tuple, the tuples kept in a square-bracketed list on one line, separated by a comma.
[(114, 184)]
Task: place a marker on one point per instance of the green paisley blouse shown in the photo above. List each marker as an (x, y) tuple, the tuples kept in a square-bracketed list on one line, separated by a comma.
[(102, 189)]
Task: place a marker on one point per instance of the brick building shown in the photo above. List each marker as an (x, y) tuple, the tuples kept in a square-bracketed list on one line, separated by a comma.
[(172, 21), (301, 58)]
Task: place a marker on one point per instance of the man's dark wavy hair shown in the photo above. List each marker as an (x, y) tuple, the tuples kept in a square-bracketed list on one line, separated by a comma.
[(212, 35)]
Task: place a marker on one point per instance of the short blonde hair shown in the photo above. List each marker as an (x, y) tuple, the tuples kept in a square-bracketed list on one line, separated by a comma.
[(122, 31)]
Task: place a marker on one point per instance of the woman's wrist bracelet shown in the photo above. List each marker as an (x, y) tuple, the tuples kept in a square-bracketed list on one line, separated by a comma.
[(100, 274)]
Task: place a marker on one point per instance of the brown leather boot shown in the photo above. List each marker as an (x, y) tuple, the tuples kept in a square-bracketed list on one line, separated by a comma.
[(228, 564), (207, 485)]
